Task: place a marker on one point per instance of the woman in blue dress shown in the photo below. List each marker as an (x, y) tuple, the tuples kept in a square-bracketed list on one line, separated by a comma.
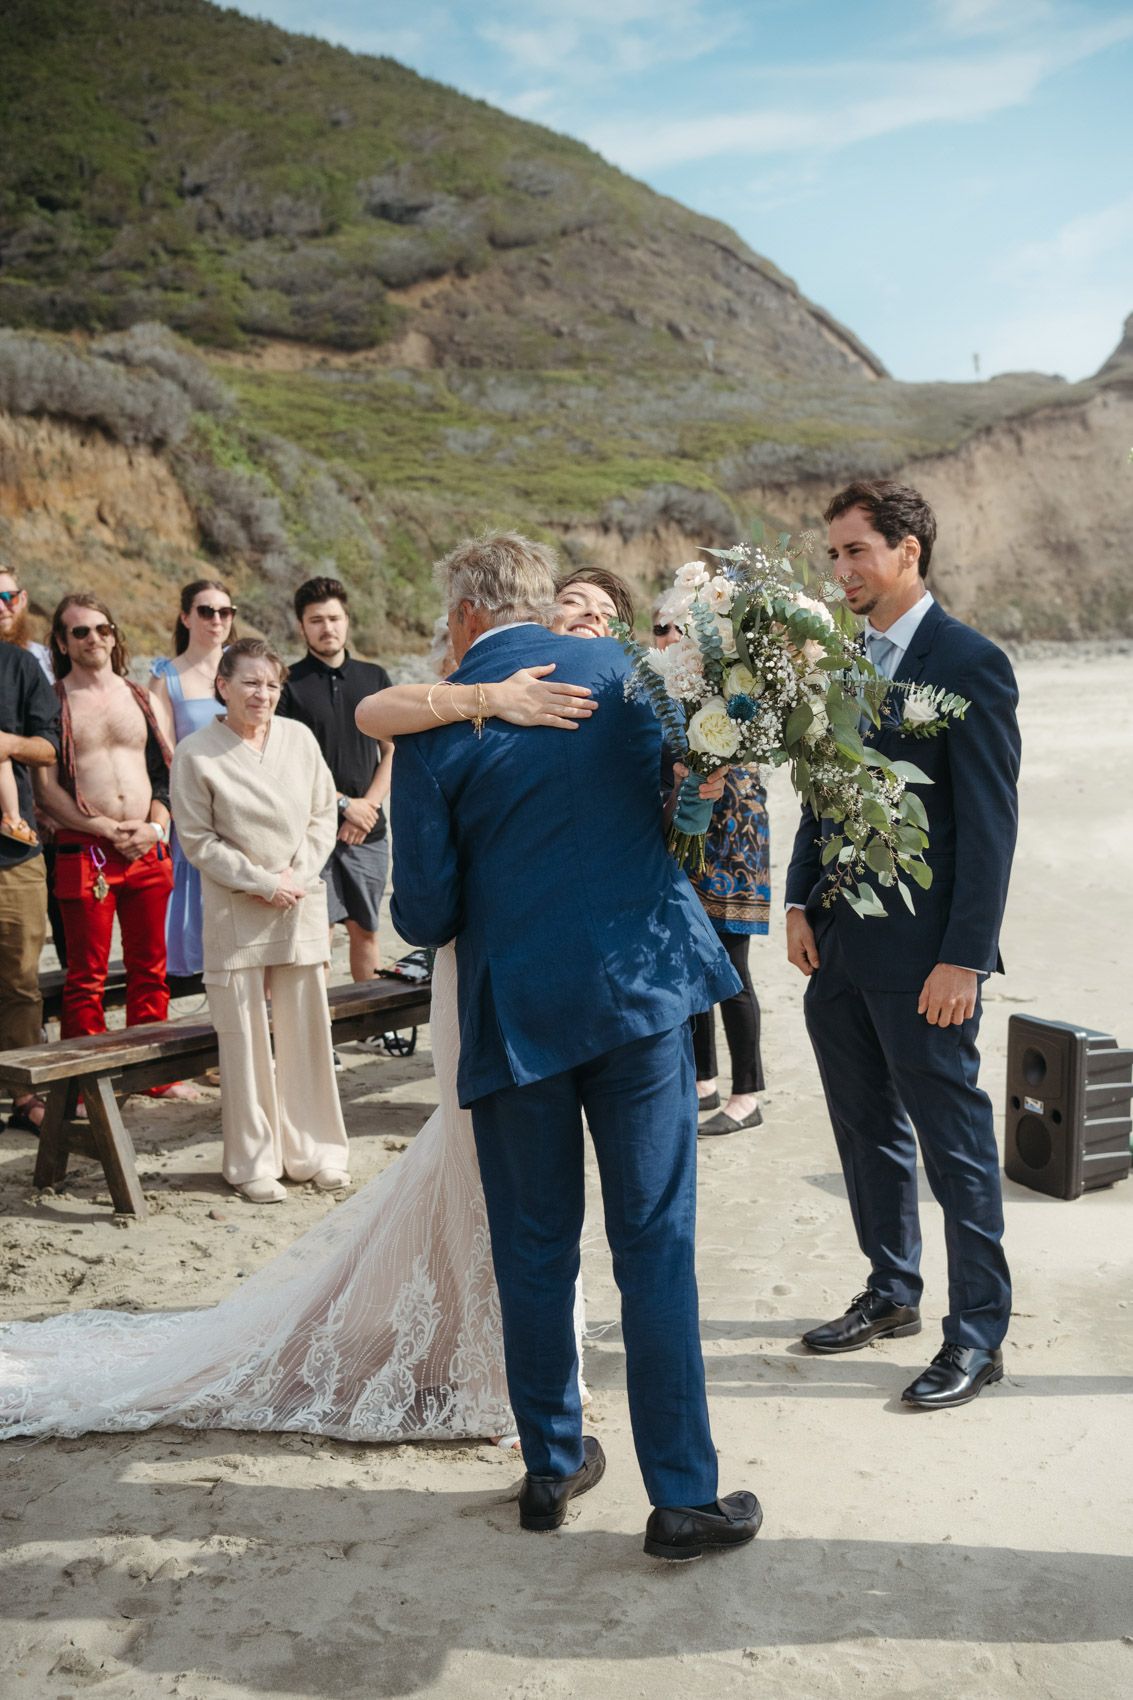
[(184, 700)]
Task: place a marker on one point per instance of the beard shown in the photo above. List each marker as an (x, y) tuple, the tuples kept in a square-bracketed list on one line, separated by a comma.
[(17, 632)]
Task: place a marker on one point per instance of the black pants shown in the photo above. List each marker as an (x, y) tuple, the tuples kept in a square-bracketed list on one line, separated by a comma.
[(741, 1026)]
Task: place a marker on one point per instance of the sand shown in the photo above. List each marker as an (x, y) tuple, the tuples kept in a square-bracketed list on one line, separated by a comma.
[(980, 1552)]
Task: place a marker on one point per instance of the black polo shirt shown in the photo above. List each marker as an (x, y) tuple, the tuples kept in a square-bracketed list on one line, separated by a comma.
[(324, 698), (29, 708)]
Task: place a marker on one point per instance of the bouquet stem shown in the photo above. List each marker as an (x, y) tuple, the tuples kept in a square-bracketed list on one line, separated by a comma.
[(687, 849)]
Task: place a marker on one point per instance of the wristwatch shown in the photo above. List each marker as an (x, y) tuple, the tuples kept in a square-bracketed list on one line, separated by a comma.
[(162, 836), (343, 803)]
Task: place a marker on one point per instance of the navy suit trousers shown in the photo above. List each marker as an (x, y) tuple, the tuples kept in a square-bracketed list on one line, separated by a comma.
[(640, 1105), (886, 1072)]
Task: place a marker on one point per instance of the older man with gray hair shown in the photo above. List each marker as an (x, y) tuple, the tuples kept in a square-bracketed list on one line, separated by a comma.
[(582, 952)]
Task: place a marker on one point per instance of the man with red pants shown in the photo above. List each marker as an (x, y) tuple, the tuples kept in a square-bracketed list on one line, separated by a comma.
[(108, 795)]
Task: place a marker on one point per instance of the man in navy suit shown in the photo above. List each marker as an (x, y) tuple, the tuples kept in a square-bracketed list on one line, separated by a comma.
[(893, 1005), (582, 952)]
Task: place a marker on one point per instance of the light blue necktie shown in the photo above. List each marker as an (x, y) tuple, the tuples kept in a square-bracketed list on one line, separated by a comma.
[(882, 653)]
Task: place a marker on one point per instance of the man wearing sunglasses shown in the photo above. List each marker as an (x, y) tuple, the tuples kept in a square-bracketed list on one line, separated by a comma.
[(108, 795), (14, 626)]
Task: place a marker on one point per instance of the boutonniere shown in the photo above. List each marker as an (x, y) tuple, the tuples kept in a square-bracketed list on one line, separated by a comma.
[(921, 711)]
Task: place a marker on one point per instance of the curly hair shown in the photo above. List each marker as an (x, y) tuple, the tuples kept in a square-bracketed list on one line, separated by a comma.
[(897, 511)]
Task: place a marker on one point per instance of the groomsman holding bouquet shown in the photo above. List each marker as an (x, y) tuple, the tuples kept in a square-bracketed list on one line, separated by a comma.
[(893, 1005)]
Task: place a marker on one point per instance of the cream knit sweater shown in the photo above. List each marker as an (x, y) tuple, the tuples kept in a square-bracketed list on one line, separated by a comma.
[(242, 816)]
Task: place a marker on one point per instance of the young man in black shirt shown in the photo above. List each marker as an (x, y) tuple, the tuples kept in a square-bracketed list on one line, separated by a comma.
[(29, 736), (323, 691)]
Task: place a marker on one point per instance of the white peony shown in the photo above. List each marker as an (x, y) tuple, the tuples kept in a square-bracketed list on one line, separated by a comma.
[(741, 681), (711, 733), (917, 710), (656, 659), (691, 576), (814, 607), (674, 606)]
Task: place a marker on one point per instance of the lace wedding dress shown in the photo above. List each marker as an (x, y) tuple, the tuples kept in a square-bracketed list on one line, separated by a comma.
[(382, 1323)]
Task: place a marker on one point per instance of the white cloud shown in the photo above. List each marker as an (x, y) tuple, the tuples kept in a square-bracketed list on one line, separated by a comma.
[(1078, 247), (856, 102), (584, 41)]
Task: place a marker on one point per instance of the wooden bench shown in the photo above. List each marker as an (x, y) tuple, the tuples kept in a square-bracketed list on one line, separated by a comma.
[(114, 994), (106, 1068)]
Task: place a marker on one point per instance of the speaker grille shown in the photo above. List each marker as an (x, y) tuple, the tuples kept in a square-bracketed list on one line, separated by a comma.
[(1033, 1142)]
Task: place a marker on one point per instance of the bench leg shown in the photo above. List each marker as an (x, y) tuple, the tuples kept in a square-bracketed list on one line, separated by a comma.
[(114, 1146), (54, 1143)]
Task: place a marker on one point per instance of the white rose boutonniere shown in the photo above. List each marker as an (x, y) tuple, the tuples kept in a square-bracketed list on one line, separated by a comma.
[(711, 732), (918, 710)]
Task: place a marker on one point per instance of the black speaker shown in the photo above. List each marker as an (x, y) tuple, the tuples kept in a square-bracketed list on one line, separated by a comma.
[(1068, 1107)]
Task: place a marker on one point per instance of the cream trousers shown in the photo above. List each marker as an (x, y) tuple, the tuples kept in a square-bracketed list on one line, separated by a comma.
[(279, 1116)]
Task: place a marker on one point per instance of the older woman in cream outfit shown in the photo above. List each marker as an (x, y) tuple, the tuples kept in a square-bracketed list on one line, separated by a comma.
[(256, 814)]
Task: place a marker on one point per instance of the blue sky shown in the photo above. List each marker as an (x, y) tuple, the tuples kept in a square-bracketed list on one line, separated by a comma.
[(950, 178)]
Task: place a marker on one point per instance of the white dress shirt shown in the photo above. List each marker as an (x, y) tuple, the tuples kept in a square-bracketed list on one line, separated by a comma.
[(900, 633)]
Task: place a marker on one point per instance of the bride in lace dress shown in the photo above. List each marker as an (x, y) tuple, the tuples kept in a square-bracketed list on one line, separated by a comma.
[(381, 1323)]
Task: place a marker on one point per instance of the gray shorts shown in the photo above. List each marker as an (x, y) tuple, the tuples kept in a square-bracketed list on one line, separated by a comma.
[(355, 878)]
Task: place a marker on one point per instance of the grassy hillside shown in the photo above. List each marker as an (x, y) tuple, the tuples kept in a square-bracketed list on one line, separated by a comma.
[(419, 315)]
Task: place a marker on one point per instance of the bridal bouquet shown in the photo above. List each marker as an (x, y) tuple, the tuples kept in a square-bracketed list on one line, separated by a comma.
[(763, 672)]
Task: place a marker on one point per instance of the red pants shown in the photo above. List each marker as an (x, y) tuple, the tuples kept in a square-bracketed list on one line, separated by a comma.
[(139, 894)]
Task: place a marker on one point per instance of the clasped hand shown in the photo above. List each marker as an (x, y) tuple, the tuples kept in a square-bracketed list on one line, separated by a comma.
[(359, 819), (287, 893)]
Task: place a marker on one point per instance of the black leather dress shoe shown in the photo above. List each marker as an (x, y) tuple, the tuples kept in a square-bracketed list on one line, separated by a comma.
[(543, 1499), (956, 1375), (870, 1317), (682, 1532)]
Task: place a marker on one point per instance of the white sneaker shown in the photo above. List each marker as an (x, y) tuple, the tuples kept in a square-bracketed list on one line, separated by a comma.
[(262, 1192), (331, 1180)]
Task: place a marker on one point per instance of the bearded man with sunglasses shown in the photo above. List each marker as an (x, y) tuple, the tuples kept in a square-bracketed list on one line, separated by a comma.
[(109, 797)]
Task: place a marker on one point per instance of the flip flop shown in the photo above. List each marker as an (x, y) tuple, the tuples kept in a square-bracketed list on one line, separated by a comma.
[(12, 827)]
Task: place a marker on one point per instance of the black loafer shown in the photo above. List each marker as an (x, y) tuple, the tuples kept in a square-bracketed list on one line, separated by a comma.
[(870, 1317), (712, 1102), (682, 1532), (956, 1375), (543, 1499), (723, 1123)]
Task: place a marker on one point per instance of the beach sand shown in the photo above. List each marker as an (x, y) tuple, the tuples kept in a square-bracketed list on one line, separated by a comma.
[(979, 1552)]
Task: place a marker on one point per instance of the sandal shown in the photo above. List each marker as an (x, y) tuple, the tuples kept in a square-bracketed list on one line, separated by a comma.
[(11, 826), (21, 1121)]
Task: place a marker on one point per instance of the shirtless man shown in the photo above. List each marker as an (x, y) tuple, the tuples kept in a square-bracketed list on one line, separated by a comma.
[(108, 795)]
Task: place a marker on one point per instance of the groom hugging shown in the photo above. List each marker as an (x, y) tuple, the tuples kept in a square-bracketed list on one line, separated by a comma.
[(582, 953)]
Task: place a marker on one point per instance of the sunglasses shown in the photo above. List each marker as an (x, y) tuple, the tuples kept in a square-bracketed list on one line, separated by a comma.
[(662, 631), (102, 630), (209, 613), (9, 596)]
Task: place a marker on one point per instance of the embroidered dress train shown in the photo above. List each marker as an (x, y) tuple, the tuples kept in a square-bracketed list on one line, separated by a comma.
[(381, 1323)]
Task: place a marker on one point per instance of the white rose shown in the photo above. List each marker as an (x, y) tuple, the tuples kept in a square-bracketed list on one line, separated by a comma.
[(917, 710), (812, 651), (819, 723), (719, 595), (711, 733), (691, 576), (741, 681)]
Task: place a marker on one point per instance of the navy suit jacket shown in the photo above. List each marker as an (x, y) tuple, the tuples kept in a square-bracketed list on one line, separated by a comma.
[(542, 852), (972, 819)]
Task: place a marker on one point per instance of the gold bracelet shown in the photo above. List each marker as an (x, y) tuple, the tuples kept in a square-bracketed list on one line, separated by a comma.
[(481, 713), (429, 704)]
